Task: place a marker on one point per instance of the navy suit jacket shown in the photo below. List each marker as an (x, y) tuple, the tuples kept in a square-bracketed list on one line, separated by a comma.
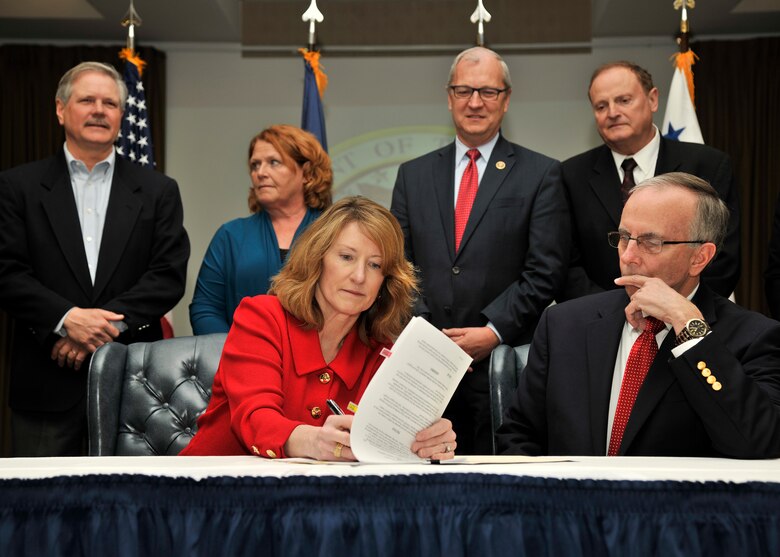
[(593, 188), (562, 402), (43, 267), (514, 251)]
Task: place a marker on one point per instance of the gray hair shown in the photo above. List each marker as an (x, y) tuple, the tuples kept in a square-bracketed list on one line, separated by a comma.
[(65, 88), (712, 215), (474, 54)]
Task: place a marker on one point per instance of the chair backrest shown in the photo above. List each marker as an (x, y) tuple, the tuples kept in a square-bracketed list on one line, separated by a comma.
[(506, 366), (145, 398)]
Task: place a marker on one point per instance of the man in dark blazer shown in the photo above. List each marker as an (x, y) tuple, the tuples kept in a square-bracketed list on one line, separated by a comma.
[(712, 389), (511, 258), (624, 101), (92, 250)]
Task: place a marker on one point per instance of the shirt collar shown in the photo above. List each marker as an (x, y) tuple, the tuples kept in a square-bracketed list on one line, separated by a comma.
[(106, 164), (485, 150), (645, 158)]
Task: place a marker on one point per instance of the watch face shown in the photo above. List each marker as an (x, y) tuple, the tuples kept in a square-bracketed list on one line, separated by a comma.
[(697, 327)]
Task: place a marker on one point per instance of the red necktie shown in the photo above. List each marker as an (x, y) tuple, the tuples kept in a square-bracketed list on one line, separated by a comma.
[(639, 360), (628, 167), (466, 194)]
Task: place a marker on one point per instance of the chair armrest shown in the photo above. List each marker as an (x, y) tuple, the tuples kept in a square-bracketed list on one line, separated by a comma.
[(104, 396), (502, 381)]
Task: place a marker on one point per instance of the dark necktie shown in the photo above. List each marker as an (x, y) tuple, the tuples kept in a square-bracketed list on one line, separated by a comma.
[(639, 360), (466, 194), (628, 167)]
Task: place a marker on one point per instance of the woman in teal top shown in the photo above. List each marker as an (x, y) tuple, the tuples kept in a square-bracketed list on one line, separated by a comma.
[(291, 185)]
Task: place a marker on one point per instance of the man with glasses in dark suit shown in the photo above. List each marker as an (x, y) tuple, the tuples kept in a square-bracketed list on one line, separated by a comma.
[(663, 366), (486, 223)]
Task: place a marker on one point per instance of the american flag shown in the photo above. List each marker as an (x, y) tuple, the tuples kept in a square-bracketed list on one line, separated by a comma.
[(135, 136)]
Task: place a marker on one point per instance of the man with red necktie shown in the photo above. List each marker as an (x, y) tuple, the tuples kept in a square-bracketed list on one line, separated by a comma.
[(486, 223), (663, 366)]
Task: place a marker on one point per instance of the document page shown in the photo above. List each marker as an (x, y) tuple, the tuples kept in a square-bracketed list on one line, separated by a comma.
[(409, 392)]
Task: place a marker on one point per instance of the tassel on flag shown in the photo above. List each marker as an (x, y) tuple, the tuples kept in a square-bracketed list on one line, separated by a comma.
[(314, 84), (680, 120)]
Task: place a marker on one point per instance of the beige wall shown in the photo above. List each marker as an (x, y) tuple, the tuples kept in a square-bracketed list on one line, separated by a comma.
[(378, 111)]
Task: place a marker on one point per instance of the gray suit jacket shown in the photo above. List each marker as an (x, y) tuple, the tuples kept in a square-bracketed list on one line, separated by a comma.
[(514, 251)]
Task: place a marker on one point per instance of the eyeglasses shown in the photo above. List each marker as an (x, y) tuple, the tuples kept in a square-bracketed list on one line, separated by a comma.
[(485, 93), (647, 244)]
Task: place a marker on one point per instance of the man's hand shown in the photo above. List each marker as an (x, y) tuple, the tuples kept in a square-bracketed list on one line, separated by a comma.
[(477, 342), (67, 352), (91, 328), (654, 297)]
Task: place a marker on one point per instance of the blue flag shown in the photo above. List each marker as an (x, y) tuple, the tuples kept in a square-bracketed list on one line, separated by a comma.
[(135, 136), (313, 116)]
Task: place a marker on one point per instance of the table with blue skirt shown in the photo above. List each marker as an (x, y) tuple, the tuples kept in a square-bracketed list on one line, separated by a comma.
[(140, 506)]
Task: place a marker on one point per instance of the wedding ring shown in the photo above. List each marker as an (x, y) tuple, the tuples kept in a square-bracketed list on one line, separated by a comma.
[(337, 450), (447, 448), (72, 351)]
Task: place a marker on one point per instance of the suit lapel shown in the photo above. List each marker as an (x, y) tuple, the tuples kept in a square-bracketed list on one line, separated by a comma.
[(603, 342), (443, 178), (667, 159), (121, 215), (488, 186), (60, 208), (605, 183)]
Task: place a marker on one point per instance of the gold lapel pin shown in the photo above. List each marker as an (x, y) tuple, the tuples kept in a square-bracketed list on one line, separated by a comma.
[(501, 165)]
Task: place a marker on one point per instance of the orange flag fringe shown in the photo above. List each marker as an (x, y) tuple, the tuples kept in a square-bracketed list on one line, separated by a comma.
[(133, 58), (313, 58), (684, 61)]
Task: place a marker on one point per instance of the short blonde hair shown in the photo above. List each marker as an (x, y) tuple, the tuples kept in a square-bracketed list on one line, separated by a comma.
[(296, 283), (298, 148)]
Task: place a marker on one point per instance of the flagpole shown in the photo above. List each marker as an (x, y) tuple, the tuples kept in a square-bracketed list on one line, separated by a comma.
[(131, 20), (480, 17), (680, 121), (314, 79)]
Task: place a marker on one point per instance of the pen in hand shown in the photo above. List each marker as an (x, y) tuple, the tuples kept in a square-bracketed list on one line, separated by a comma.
[(334, 407)]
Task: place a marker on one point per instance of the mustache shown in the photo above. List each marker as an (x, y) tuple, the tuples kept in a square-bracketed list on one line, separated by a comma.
[(102, 122)]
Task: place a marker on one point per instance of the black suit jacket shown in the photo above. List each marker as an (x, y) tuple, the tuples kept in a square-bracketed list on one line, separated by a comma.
[(593, 188), (514, 250), (562, 403), (43, 267)]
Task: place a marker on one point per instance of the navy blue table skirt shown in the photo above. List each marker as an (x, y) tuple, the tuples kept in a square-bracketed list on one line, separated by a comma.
[(440, 514)]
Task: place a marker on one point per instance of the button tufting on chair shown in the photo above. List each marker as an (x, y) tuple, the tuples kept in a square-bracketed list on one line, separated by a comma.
[(145, 398)]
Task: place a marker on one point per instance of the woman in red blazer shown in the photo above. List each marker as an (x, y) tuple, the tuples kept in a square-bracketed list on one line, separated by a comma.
[(343, 295)]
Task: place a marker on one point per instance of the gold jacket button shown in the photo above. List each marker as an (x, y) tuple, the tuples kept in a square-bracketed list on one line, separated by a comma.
[(701, 365), (270, 453), (711, 380), (706, 372), (325, 377), (255, 450), (316, 412), (716, 386)]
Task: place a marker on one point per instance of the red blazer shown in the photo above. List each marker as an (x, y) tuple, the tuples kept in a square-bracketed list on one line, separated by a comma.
[(272, 378)]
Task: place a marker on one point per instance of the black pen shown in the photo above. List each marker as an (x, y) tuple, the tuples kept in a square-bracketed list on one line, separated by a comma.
[(334, 407)]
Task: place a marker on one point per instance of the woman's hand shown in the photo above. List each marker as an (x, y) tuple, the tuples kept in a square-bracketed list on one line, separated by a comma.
[(329, 442), (436, 442)]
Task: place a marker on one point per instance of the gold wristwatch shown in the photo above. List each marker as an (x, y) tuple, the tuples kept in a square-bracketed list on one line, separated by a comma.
[(694, 328)]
